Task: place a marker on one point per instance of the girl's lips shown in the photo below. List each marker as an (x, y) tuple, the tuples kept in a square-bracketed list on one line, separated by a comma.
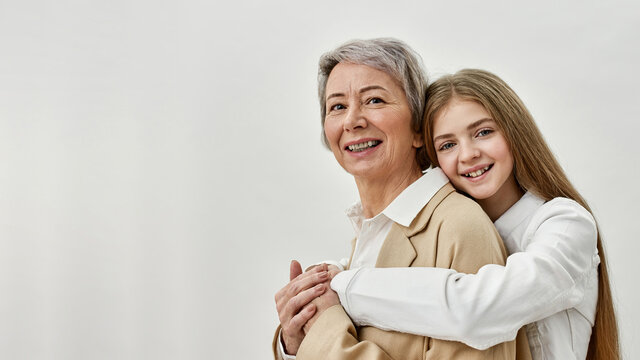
[(484, 169)]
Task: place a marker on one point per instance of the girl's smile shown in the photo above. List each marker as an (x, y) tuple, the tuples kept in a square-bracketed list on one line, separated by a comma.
[(473, 153)]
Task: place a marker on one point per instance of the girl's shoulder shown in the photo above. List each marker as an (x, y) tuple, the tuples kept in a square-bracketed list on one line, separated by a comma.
[(565, 208), (564, 218)]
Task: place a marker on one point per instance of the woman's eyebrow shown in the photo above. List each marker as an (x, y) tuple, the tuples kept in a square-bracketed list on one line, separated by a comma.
[(334, 95), (372, 87), (363, 90)]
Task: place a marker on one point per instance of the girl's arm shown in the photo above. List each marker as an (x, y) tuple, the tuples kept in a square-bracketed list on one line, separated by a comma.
[(489, 307)]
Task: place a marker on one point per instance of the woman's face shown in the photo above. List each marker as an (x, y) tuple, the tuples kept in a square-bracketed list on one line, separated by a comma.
[(368, 122), (472, 151)]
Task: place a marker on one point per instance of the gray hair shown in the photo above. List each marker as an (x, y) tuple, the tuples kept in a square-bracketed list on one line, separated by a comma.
[(392, 56)]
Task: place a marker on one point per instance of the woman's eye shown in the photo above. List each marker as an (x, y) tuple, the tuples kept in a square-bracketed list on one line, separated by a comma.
[(484, 132), (337, 107), (375, 100)]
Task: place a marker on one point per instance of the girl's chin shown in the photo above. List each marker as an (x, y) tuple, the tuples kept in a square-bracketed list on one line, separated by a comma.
[(478, 194)]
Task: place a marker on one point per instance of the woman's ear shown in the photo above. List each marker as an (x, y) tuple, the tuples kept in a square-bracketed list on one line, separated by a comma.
[(418, 142)]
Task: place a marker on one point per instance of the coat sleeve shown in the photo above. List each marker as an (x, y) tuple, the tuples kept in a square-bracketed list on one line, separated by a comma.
[(488, 307), (333, 336)]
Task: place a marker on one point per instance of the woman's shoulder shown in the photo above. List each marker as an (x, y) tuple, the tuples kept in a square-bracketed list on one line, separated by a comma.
[(457, 208), (462, 220), (467, 238)]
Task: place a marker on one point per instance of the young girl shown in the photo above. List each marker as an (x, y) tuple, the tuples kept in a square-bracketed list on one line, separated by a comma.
[(485, 140)]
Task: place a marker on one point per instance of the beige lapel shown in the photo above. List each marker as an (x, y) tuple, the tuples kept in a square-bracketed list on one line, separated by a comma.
[(397, 250)]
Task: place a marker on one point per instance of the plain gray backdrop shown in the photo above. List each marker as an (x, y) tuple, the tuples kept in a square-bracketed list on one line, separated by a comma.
[(161, 163)]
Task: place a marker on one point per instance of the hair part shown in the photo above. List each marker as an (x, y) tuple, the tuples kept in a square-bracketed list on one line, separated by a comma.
[(535, 168), (391, 56)]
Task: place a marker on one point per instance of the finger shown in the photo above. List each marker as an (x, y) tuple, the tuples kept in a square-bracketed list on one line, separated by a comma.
[(306, 281), (301, 318), (294, 269), (303, 298), (333, 273), (299, 284)]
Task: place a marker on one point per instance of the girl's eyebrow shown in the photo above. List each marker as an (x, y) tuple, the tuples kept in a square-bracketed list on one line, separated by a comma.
[(471, 126), (477, 123)]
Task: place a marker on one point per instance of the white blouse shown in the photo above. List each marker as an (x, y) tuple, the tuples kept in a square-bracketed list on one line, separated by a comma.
[(550, 281)]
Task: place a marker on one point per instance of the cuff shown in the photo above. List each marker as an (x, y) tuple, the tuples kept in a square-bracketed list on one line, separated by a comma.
[(284, 355), (340, 284), (338, 264)]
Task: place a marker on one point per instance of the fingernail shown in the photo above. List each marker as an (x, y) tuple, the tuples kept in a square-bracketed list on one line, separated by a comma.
[(324, 275), (319, 287)]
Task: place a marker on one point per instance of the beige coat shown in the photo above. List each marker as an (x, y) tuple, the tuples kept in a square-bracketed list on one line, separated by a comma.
[(451, 231)]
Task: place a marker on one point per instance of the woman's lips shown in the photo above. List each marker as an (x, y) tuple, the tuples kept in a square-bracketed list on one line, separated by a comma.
[(362, 145)]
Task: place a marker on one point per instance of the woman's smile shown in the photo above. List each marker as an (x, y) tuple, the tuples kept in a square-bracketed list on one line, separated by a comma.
[(362, 145), (368, 123)]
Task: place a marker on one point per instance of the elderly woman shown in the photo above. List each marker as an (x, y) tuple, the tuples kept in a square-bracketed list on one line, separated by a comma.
[(372, 97)]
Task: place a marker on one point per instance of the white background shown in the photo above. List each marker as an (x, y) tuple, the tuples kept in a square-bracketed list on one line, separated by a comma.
[(160, 161)]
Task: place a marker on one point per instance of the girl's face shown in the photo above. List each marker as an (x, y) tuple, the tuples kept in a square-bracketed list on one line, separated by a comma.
[(473, 153)]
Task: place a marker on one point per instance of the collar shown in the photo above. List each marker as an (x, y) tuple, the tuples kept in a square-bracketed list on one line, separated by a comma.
[(406, 206), (517, 213)]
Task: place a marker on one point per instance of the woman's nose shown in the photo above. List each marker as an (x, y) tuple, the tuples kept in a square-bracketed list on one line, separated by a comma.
[(355, 119)]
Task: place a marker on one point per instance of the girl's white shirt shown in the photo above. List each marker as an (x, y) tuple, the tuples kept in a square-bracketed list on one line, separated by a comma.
[(550, 282)]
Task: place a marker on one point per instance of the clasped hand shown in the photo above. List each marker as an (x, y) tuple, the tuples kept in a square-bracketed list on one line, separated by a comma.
[(303, 300)]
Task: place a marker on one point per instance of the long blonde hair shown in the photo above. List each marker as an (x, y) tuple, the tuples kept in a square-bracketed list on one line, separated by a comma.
[(535, 168)]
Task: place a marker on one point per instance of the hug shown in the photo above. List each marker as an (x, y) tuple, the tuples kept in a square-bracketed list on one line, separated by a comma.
[(471, 242)]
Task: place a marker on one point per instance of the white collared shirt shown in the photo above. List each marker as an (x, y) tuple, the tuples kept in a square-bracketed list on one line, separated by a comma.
[(371, 233), (549, 282)]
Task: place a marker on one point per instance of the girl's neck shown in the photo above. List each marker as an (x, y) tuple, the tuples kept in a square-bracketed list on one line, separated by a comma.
[(502, 200)]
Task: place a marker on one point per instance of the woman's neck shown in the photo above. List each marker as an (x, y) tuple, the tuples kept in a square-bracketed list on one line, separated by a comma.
[(377, 194), (499, 203)]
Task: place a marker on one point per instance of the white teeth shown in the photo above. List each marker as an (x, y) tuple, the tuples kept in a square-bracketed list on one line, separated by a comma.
[(364, 145), (477, 172)]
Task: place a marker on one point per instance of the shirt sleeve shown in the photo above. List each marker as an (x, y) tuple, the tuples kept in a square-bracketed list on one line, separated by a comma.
[(282, 354), (340, 264), (488, 307)]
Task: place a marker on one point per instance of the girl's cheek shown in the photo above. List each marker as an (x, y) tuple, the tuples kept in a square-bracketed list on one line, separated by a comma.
[(447, 164)]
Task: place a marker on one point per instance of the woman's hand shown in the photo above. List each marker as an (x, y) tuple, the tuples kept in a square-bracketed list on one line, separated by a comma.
[(291, 300), (321, 303), (324, 301)]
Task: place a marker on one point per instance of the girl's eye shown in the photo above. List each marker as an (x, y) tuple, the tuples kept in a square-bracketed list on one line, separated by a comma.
[(446, 146), (484, 132)]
